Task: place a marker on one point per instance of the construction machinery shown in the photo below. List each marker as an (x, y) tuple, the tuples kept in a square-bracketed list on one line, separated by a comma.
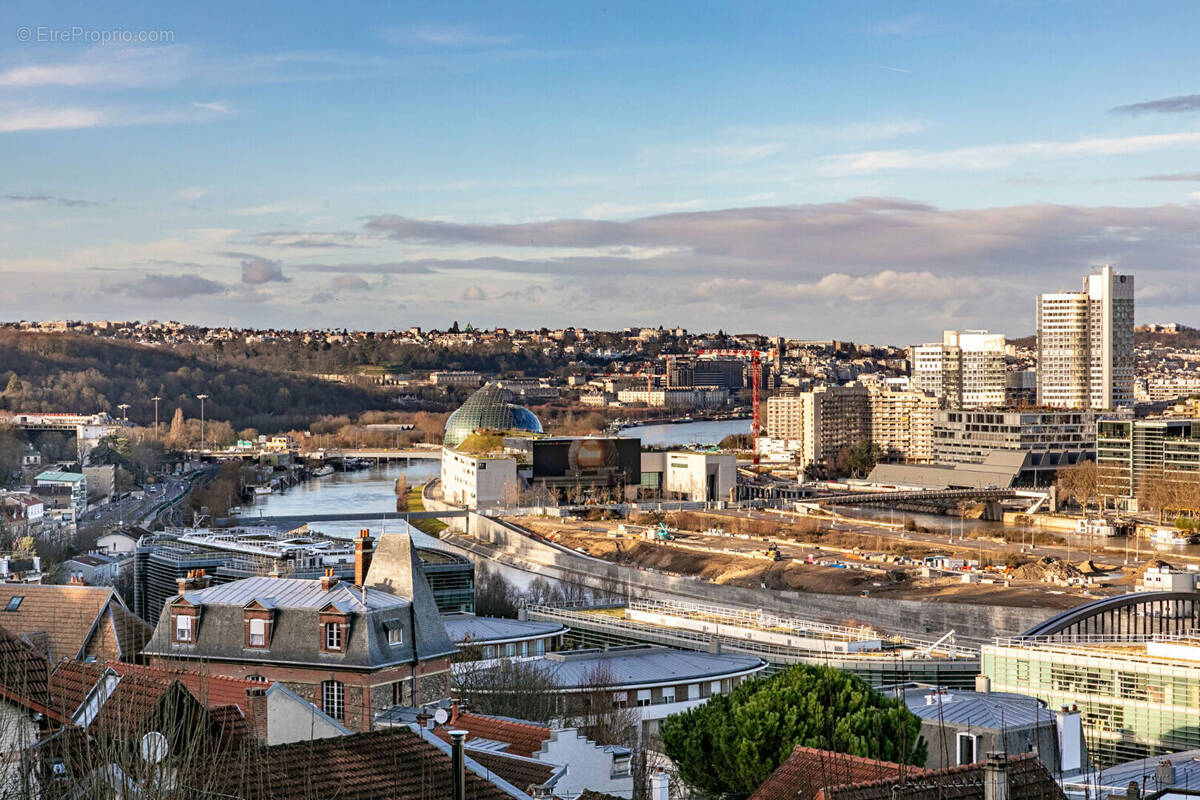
[(755, 357)]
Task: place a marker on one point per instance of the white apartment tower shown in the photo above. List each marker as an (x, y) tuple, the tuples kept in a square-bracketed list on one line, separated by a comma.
[(1085, 344), (966, 369)]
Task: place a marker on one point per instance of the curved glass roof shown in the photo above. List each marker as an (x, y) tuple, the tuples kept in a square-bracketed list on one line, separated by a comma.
[(488, 408)]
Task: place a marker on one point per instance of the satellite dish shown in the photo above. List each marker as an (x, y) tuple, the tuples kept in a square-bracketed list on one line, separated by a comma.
[(154, 747), (440, 716)]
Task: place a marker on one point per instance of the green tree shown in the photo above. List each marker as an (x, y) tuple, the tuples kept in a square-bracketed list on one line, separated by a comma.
[(858, 459), (727, 747), (14, 385)]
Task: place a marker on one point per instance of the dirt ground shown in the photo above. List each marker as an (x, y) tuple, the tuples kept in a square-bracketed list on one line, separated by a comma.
[(881, 580)]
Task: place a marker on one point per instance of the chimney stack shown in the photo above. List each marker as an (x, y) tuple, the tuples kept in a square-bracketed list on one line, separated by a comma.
[(995, 777), (983, 684), (660, 785), (458, 764), (364, 549), (76, 579), (328, 580), (201, 580), (256, 712)]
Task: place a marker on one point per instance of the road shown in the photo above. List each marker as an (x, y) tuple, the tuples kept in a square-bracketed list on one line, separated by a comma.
[(131, 510)]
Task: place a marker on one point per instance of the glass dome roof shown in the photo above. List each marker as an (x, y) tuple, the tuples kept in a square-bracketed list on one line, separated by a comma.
[(488, 408)]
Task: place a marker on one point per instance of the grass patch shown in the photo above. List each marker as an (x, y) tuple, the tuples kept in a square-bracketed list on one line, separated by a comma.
[(432, 527)]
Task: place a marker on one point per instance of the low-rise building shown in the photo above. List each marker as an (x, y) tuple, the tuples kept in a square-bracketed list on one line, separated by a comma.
[(484, 638), (479, 481), (74, 484), (94, 569), (1053, 438), (73, 621), (685, 475)]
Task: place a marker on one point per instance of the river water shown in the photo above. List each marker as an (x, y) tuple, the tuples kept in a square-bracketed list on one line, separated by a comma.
[(681, 434)]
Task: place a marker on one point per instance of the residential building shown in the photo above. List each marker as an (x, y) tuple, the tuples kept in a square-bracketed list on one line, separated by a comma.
[(686, 475), (20, 568), (21, 513), (822, 421), (1052, 438), (74, 484), (94, 569), (455, 378), (230, 554), (1139, 694), (902, 423), (118, 543), (73, 621), (350, 649), (961, 727), (605, 769), (1020, 388), (27, 712), (692, 397), (966, 370), (1085, 344), (1136, 456)]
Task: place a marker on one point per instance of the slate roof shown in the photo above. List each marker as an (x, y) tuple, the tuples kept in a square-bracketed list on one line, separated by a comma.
[(641, 665), (395, 567), (295, 634), (992, 710), (463, 627), (77, 620), (522, 738), (390, 764)]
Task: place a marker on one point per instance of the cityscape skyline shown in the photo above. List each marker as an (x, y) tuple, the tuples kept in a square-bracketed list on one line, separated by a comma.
[(561, 166)]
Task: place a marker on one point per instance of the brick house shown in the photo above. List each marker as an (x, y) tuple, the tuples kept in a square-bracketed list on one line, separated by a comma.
[(352, 650)]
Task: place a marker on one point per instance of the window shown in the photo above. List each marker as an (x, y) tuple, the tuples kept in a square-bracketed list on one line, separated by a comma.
[(643, 697), (333, 699), (398, 698), (333, 636), (510, 649), (258, 633), (968, 743), (257, 678), (620, 699), (183, 628), (395, 635), (541, 647), (668, 694), (14, 602)]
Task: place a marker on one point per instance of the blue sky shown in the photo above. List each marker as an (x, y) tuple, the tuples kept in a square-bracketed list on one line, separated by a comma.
[(874, 171)]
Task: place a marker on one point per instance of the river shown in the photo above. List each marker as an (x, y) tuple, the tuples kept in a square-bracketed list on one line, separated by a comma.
[(358, 492), (681, 434)]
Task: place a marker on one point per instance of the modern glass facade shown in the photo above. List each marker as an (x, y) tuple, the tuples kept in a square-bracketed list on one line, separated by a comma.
[(1130, 454), (1136, 699), (488, 408)]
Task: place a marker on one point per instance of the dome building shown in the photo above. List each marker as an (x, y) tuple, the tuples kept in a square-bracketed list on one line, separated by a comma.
[(489, 408)]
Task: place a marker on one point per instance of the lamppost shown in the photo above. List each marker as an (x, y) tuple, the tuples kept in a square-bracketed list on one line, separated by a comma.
[(156, 398), (202, 398), (124, 412)]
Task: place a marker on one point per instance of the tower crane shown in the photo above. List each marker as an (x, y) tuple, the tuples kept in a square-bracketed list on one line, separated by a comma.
[(755, 357)]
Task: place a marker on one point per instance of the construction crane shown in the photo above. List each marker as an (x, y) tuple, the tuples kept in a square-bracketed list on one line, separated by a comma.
[(755, 357)]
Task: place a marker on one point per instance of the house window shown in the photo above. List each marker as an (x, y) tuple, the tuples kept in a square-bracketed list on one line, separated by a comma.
[(489, 651), (668, 694), (14, 602), (398, 698), (968, 744), (541, 647), (257, 678), (620, 699), (183, 628), (643, 697), (333, 636), (510, 649), (258, 633), (395, 635), (333, 699)]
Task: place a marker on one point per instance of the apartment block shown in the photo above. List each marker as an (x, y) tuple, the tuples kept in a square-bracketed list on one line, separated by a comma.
[(1085, 344), (902, 424), (966, 369), (821, 422), (1131, 455), (1053, 439)]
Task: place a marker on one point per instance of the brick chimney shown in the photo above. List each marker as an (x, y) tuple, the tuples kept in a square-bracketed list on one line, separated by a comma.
[(364, 549), (256, 712), (76, 579), (201, 580), (328, 580)]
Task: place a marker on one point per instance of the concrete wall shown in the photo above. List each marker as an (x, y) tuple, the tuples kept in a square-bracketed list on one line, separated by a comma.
[(291, 718), (589, 766), (500, 541)]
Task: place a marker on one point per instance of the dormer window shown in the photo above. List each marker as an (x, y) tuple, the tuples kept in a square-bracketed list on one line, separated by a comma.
[(333, 636), (395, 633), (183, 628), (258, 633)]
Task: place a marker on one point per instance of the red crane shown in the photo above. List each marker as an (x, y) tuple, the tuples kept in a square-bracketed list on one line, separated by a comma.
[(755, 357)]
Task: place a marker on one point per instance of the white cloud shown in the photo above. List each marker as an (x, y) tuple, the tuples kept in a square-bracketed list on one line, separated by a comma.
[(608, 210), (446, 36), (1002, 155), (48, 119), (216, 106)]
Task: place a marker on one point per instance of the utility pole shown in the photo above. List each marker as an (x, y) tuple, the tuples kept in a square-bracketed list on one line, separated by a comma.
[(156, 398), (124, 411), (202, 398)]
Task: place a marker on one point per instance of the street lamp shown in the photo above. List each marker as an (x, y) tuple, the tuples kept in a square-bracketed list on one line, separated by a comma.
[(201, 398), (156, 398), (124, 411)]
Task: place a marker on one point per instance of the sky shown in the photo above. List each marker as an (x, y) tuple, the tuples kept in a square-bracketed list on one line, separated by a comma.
[(874, 171)]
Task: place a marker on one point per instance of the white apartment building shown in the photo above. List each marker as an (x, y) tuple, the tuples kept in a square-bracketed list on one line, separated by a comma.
[(966, 369), (902, 424), (1085, 344)]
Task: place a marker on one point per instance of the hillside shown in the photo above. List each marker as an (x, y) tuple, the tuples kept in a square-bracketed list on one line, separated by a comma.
[(62, 372)]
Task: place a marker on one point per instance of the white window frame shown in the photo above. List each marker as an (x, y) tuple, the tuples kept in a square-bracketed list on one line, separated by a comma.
[(668, 694), (333, 636), (958, 750), (395, 636), (643, 697), (184, 631), (333, 699), (258, 638)]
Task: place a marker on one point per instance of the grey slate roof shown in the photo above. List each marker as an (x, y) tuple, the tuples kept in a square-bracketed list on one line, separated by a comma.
[(295, 635), (1112, 781), (462, 627), (991, 710), (642, 665), (395, 569)]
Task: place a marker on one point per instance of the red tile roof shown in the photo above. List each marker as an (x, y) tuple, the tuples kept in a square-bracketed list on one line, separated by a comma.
[(212, 690), (76, 620), (390, 764), (523, 773), (70, 682), (524, 738), (25, 675), (808, 770)]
